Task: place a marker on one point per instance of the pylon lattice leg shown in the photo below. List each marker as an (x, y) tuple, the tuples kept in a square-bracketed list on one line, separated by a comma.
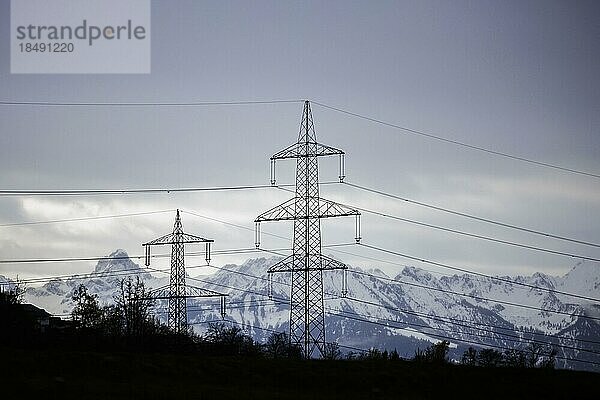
[(177, 300)]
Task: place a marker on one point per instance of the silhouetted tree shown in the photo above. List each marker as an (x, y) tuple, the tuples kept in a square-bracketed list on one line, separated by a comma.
[(278, 346), (439, 353), (112, 322), (17, 324), (515, 358), (469, 357), (539, 355), (87, 311), (12, 296), (549, 360), (436, 353), (132, 305), (332, 351), (489, 358), (231, 340), (372, 354)]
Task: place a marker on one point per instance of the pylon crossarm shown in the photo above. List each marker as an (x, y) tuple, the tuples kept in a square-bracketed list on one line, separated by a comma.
[(299, 149), (169, 238), (187, 238), (160, 293), (285, 265), (287, 211), (179, 238), (164, 293), (295, 263), (173, 239), (328, 208), (282, 212), (193, 291), (328, 263)]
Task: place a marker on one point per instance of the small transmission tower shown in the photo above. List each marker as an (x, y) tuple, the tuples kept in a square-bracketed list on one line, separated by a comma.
[(177, 292), (306, 264)]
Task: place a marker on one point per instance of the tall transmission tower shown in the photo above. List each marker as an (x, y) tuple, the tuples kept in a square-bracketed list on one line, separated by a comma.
[(177, 292), (306, 264)]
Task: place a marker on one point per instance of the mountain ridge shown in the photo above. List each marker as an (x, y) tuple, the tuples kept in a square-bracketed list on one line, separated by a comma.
[(417, 309)]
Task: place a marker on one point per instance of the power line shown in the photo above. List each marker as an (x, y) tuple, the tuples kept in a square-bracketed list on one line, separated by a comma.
[(413, 258), (130, 191), (230, 306), (233, 225), (258, 102), (104, 274), (282, 300), (146, 104), (237, 251), (495, 278), (386, 215), (243, 227), (473, 296), (425, 315), (273, 251), (262, 303), (249, 327), (89, 192), (109, 258), (444, 319), (219, 284), (54, 221), (432, 288), (462, 144), (468, 234), (411, 312), (462, 323), (477, 236), (453, 321), (91, 275), (471, 216), (345, 315), (448, 320)]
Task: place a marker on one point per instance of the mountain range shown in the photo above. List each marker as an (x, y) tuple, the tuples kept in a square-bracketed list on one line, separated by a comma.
[(404, 312)]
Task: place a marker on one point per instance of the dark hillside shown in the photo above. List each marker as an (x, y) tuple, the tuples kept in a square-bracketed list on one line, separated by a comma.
[(59, 374)]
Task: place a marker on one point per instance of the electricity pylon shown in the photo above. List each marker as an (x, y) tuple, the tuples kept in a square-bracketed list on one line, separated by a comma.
[(306, 264), (177, 292)]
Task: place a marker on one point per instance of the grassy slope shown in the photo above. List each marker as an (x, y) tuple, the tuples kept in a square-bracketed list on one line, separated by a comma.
[(70, 375)]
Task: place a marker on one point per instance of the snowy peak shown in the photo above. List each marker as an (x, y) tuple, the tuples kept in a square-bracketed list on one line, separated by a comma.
[(258, 266), (415, 274), (583, 279), (542, 280), (55, 296), (117, 261)]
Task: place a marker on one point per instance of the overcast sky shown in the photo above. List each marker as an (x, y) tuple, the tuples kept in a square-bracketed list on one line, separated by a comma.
[(519, 77)]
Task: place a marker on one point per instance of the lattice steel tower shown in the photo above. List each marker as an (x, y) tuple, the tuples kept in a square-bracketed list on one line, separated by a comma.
[(177, 292), (306, 264)]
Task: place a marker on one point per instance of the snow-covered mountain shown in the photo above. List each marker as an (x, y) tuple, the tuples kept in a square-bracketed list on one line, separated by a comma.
[(55, 296), (409, 311)]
